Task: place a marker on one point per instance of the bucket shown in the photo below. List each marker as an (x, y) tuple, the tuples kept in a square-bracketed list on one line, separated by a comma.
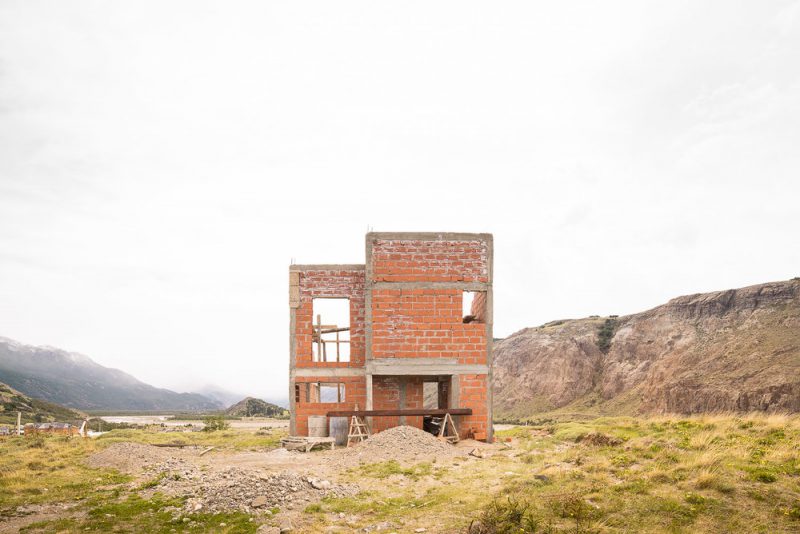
[(338, 430), (317, 426)]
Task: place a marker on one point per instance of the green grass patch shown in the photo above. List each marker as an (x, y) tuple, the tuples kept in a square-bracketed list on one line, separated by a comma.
[(393, 467), (157, 515)]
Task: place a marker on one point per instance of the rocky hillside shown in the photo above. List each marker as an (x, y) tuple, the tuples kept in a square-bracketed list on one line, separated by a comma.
[(252, 407), (33, 410), (76, 381), (735, 350)]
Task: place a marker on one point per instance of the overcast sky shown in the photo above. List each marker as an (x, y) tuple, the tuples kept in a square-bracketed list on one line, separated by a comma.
[(162, 162)]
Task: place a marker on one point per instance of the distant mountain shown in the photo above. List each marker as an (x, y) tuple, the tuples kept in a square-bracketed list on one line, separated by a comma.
[(252, 407), (224, 396), (74, 380), (735, 350), (33, 410)]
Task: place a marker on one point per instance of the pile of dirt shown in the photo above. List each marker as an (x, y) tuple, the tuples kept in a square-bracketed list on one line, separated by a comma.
[(137, 457), (401, 443)]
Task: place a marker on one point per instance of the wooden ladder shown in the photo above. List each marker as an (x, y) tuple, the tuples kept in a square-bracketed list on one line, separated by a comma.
[(452, 437), (358, 432)]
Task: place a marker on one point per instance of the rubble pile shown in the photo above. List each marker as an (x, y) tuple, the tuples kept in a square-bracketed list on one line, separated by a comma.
[(250, 490), (401, 443), (246, 490)]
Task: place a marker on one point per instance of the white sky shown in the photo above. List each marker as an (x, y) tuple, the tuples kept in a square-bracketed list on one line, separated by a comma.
[(162, 162)]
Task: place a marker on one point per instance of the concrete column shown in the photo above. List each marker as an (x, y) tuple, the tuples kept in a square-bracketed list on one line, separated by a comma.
[(369, 399)]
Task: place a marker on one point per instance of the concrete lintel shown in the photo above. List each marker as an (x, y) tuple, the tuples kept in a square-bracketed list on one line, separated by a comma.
[(464, 286), (415, 361), (429, 236), (328, 267), (411, 369), (328, 372)]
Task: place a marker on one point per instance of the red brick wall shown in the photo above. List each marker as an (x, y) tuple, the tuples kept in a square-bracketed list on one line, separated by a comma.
[(429, 261), (386, 396), (414, 399), (355, 393), (330, 283), (425, 323)]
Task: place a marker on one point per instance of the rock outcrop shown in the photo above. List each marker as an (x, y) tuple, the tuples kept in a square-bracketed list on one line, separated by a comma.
[(253, 407), (735, 350)]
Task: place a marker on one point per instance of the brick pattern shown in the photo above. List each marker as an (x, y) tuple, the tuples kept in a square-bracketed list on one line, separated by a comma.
[(336, 284), (355, 393), (473, 394), (429, 261), (406, 323), (385, 396), (414, 399), (424, 323)]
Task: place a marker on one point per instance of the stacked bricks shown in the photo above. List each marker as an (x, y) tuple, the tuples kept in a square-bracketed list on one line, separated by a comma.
[(355, 393), (393, 392), (414, 284), (429, 261), (385, 396), (473, 394), (414, 399), (424, 323), (417, 312), (329, 283)]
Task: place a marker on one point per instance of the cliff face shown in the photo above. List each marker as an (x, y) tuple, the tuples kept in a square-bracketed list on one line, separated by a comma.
[(735, 350)]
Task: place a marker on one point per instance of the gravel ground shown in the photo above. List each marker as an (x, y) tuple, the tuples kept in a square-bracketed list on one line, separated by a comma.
[(217, 489), (137, 457), (248, 490)]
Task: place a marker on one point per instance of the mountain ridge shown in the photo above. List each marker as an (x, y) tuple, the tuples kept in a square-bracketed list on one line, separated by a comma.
[(33, 410), (76, 381), (730, 350)]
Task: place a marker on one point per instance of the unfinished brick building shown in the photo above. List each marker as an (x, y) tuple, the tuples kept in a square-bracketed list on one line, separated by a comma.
[(411, 340)]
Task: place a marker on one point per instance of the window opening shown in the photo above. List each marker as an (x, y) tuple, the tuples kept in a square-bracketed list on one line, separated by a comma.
[(331, 330), (473, 304)]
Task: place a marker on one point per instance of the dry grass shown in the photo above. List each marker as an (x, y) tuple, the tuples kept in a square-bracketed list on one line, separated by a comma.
[(714, 473), (51, 469)]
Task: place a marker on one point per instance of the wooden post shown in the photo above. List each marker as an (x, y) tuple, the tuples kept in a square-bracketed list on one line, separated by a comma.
[(337, 345), (19, 423), (319, 338)]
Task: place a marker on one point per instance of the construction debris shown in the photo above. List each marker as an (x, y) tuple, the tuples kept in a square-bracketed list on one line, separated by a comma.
[(250, 490), (477, 453), (303, 443), (401, 443)]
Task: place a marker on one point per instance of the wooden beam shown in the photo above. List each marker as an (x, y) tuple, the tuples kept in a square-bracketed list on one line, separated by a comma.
[(410, 411)]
